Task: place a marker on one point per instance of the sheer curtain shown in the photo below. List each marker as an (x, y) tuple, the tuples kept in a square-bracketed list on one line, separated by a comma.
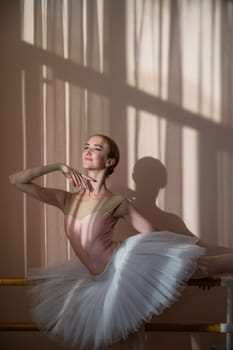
[(156, 76)]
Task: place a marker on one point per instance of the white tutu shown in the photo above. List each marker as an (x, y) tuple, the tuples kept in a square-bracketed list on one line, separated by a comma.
[(146, 274)]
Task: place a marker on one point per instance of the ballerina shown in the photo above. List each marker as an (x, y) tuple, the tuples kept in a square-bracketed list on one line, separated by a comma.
[(111, 288)]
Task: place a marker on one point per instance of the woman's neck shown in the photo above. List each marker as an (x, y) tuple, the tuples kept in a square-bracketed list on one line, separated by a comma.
[(98, 188)]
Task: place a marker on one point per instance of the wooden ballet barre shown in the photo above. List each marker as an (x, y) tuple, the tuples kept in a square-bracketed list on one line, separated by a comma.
[(17, 281), (227, 328), (21, 281), (205, 282), (149, 327), (189, 328), (18, 327), (223, 281)]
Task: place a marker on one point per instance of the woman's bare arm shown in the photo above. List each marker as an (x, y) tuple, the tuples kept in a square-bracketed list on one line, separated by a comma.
[(137, 220), (52, 196), (28, 175), (23, 181)]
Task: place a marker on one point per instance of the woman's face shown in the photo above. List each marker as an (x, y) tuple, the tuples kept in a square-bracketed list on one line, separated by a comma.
[(95, 153)]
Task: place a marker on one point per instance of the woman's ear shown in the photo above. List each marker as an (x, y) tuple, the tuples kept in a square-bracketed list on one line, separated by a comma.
[(110, 162)]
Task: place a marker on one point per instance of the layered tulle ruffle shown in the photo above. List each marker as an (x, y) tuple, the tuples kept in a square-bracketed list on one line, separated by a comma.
[(146, 274)]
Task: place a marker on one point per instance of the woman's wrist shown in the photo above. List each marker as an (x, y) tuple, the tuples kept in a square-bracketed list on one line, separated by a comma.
[(62, 166)]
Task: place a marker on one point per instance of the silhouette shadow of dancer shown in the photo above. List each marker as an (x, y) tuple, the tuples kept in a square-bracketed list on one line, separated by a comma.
[(147, 193), (145, 196), (145, 199)]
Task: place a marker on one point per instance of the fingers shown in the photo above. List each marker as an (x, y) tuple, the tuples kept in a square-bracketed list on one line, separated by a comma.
[(81, 180), (73, 178), (206, 287), (76, 178)]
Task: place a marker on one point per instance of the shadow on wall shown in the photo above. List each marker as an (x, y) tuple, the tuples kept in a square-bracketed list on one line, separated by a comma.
[(111, 86), (146, 192), (145, 199)]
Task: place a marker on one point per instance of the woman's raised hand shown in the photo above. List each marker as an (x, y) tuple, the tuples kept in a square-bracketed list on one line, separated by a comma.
[(76, 178)]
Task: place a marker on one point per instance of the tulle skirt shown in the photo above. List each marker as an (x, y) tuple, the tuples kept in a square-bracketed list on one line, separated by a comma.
[(145, 275)]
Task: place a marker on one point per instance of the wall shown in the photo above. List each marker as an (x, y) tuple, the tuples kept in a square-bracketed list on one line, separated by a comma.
[(154, 75)]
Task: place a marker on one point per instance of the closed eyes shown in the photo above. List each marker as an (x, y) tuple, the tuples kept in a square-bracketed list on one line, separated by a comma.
[(96, 147)]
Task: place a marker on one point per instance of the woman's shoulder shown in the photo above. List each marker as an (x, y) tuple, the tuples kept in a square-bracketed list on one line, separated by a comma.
[(115, 195), (122, 205)]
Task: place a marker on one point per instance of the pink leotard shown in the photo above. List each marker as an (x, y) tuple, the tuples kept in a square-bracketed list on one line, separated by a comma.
[(89, 225)]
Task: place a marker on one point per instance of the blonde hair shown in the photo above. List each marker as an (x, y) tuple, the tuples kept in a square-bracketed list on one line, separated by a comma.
[(113, 153)]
